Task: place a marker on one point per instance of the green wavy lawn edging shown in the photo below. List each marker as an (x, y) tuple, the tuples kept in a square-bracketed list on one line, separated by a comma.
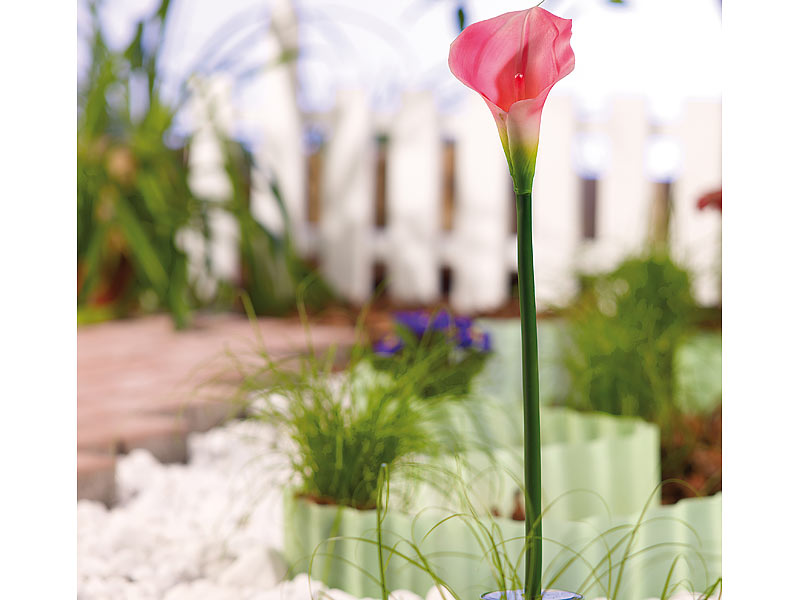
[(685, 537), (591, 462)]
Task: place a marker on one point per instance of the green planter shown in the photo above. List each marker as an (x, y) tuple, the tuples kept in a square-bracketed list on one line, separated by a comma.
[(691, 528)]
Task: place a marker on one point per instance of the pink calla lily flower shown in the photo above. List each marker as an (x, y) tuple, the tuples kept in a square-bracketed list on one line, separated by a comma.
[(513, 61)]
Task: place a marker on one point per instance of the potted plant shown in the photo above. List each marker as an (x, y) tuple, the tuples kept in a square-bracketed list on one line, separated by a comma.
[(340, 431)]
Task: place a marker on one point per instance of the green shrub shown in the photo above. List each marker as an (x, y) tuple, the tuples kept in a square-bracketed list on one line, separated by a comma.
[(133, 191), (623, 331)]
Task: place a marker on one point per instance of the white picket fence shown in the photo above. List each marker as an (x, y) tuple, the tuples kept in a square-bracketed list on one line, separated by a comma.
[(624, 152)]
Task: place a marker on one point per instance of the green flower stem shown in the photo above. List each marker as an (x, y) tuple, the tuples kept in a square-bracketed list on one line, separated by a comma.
[(530, 396)]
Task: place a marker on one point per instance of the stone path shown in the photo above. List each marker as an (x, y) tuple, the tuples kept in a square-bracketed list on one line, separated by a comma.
[(141, 384)]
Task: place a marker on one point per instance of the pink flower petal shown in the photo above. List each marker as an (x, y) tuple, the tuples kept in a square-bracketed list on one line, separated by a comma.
[(489, 54), (513, 61)]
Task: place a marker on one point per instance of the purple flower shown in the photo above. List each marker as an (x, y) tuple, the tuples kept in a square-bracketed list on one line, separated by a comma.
[(442, 321), (416, 321), (388, 346), (484, 342), (461, 330), (464, 338), (463, 322), (472, 337)]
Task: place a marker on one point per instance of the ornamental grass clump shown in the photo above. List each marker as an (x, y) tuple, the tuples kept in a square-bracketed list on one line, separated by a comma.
[(338, 428), (452, 348)]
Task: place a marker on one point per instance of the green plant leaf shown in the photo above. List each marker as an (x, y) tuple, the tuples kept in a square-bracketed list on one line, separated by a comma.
[(143, 253)]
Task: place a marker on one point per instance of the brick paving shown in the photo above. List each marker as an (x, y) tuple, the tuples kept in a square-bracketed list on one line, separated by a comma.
[(141, 384)]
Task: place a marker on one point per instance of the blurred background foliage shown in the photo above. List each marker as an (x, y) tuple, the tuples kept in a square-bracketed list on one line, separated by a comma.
[(134, 196), (625, 329), (133, 192)]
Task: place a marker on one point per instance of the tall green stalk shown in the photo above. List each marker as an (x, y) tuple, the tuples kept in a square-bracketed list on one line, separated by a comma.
[(530, 397)]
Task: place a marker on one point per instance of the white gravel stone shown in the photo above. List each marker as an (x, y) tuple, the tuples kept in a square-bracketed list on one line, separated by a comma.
[(202, 589), (257, 567), (179, 523), (137, 472)]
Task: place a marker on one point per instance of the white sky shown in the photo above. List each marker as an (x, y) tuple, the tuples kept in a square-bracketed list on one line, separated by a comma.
[(666, 50)]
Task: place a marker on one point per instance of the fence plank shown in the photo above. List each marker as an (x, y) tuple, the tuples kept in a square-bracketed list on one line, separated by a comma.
[(695, 235), (481, 213), (280, 155), (413, 190), (348, 207), (556, 199), (480, 250), (213, 115), (623, 203)]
